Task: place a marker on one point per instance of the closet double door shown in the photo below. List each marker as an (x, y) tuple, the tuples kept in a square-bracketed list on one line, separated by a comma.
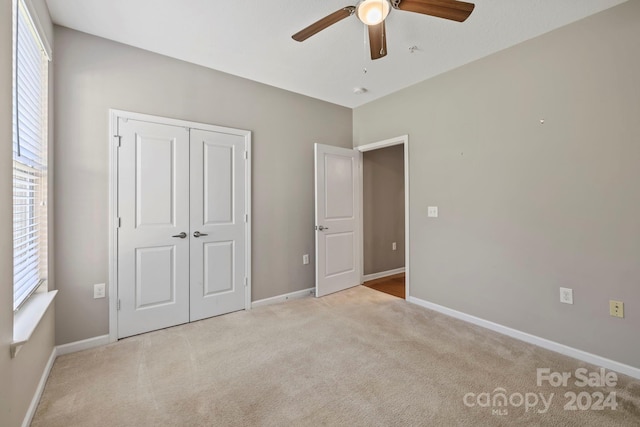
[(182, 236)]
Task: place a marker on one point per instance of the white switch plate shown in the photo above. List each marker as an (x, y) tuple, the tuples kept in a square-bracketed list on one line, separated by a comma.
[(394, 246), (99, 290), (305, 259), (566, 295), (432, 212)]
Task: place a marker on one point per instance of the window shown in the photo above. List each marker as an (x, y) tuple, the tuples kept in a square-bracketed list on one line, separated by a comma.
[(30, 62)]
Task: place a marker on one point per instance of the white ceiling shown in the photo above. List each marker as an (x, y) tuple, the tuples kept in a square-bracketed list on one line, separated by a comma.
[(252, 38)]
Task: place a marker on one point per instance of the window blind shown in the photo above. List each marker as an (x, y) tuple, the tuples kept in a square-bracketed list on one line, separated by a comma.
[(29, 158)]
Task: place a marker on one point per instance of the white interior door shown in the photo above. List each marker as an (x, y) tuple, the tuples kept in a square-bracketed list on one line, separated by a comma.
[(183, 199), (153, 206), (337, 213), (218, 223)]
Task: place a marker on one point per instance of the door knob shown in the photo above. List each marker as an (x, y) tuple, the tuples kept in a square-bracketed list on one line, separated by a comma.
[(322, 227), (198, 234), (181, 235)]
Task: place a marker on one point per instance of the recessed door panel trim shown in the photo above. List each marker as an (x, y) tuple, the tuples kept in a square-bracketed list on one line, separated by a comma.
[(339, 184), (340, 257), (216, 212), (146, 164), (210, 271), (162, 270)]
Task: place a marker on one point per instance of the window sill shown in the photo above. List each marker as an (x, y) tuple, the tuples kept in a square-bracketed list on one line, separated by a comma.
[(27, 319)]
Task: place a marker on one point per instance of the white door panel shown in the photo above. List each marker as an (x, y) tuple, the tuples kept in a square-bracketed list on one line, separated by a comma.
[(218, 207), (337, 210), (339, 253), (218, 275), (153, 204), (155, 282), (218, 169), (155, 180), (339, 187)]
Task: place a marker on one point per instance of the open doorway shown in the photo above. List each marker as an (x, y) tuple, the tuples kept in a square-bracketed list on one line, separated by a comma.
[(385, 219)]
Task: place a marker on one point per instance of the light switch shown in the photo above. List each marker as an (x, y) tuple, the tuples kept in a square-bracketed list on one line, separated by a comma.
[(99, 290), (432, 212)]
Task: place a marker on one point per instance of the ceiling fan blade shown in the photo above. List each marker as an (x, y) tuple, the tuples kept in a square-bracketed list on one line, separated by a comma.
[(323, 23), (378, 41), (447, 9)]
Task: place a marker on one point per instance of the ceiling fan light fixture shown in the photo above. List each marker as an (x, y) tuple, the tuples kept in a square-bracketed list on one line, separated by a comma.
[(373, 12)]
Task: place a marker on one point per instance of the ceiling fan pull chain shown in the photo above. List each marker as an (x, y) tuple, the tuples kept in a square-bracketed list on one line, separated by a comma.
[(382, 44), (365, 33)]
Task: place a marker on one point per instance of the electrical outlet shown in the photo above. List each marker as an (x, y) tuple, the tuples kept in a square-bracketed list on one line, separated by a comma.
[(99, 290), (394, 246), (616, 308), (432, 211), (566, 295), (305, 259)]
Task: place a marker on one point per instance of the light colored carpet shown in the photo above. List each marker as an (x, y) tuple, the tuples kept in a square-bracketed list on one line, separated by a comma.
[(355, 358)]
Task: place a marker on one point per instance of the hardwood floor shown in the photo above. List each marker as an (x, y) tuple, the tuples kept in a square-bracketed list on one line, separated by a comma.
[(392, 285)]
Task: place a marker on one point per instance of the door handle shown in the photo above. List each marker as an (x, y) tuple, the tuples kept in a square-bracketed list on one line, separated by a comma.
[(322, 227), (198, 234), (181, 235)]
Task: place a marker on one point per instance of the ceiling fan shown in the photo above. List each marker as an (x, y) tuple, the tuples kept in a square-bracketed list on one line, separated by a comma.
[(372, 13)]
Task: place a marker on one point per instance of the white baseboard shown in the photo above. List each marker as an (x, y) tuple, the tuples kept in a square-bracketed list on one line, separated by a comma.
[(374, 276), (284, 297), (31, 411), (59, 351), (72, 347), (532, 339)]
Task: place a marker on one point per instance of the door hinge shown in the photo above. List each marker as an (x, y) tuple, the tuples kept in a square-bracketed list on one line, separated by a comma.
[(246, 154), (246, 217), (118, 141), (246, 282), (118, 305), (119, 222)]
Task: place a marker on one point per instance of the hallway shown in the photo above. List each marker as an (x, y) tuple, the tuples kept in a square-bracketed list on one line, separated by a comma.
[(392, 285)]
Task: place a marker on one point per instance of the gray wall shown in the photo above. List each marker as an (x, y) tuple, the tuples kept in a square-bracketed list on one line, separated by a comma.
[(527, 208), (383, 208), (19, 377), (93, 75)]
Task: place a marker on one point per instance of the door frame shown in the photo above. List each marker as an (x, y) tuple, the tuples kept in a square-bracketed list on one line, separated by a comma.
[(113, 144), (400, 140)]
